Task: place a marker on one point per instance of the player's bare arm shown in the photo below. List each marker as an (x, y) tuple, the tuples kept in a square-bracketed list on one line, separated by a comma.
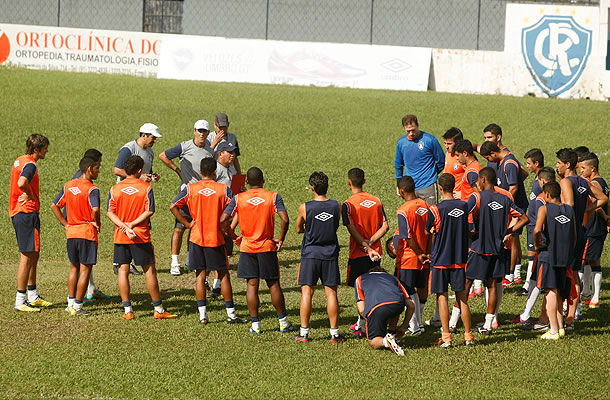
[(380, 233), (540, 218), (600, 198), (362, 242), (24, 185), (97, 222), (227, 227), (400, 332), (141, 218), (301, 219), (120, 172), (174, 210), (58, 214), (122, 226), (170, 164), (567, 196), (284, 223)]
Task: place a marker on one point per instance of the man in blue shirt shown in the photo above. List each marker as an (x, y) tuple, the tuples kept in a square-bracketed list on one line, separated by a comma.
[(422, 158)]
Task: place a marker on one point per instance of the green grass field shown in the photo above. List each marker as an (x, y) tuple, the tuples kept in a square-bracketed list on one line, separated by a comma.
[(288, 132)]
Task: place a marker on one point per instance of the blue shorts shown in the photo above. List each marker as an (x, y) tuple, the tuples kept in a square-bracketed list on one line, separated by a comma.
[(530, 237), (82, 251), (140, 253), (357, 267), (259, 265), (186, 214), (210, 258), (27, 229), (440, 279), (377, 321), (594, 248), (312, 269), (484, 267), (413, 278)]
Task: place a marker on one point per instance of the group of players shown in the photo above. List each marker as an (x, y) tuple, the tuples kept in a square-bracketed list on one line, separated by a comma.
[(471, 236)]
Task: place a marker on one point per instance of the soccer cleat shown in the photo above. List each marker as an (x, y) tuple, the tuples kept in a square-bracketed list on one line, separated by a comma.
[(471, 296), (550, 336), (235, 320), (445, 345), (538, 326), (585, 302), (569, 327), (40, 302), (358, 333), (133, 270), (164, 315), (518, 281), (521, 292), (128, 316), (354, 327), (97, 294), (393, 345), (518, 320), (432, 322), (68, 309), (203, 321), (256, 331), (506, 282), (301, 338), (80, 312), (337, 339), (478, 291), (484, 331), (562, 332), (494, 325), (174, 270), (287, 328), (26, 308), (592, 304), (416, 332), (470, 343)]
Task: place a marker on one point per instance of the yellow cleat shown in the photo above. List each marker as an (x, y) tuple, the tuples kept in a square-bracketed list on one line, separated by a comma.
[(26, 308), (40, 302)]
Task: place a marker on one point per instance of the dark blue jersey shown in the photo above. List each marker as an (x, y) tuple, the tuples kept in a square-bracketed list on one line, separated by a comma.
[(321, 224), (377, 289), (450, 221), (596, 226), (531, 209), (559, 231), (580, 190), (490, 214), (508, 172)]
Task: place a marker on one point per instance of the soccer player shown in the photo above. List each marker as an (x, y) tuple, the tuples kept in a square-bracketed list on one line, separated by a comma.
[(596, 228), (131, 203), (190, 152), (575, 192), (381, 298), (508, 173), (364, 217), (421, 157), (490, 212), (24, 208), (81, 199), (545, 175), (448, 222), (319, 220), (206, 200), (452, 164), (556, 221), (258, 246), (534, 162), (412, 253)]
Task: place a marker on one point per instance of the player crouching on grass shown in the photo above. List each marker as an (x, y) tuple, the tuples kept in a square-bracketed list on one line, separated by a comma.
[(556, 221), (81, 198), (206, 200), (381, 298), (131, 203), (448, 222)]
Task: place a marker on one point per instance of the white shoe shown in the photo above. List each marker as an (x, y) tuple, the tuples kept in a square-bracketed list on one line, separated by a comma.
[(175, 270), (393, 345)]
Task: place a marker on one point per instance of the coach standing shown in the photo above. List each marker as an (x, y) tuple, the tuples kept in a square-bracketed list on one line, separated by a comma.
[(422, 158)]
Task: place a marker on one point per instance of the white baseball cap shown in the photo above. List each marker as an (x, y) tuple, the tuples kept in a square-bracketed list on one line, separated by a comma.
[(151, 129), (202, 124)]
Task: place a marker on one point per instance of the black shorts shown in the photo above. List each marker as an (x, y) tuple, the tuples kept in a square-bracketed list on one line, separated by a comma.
[(530, 238), (259, 265), (377, 321), (186, 214), (82, 251), (484, 267), (579, 252), (210, 258), (440, 279), (413, 278), (310, 269), (594, 248), (27, 229), (357, 267), (552, 278), (140, 253)]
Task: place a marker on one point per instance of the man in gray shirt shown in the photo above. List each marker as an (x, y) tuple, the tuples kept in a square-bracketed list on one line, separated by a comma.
[(190, 152), (221, 135), (226, 156)]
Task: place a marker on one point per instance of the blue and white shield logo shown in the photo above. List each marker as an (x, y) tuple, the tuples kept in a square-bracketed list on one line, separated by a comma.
[(556, 50)]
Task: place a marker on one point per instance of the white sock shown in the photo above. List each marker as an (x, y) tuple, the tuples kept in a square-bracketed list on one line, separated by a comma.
[(216, 284), (32, 295), (478, 283), (517, 272), (414, 323), (579, 308), (488, 320), (531, 301), (77, 306), (333, 331), (91, 288), (203, 314), (256, 325), (160, 309), (597, 286), (231, 312), (455, 316), (585, 279), (19, 299), (421, 312), (70, 301), (530, 268), (128, 309), (508, 277), (361, 323), (175, 259), (304, 331), (283, 321)]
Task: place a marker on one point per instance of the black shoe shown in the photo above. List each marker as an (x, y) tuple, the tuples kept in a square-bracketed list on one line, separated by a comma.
[(484, 331), (133, 270), (337, 339), (521, 292), (235, 320)]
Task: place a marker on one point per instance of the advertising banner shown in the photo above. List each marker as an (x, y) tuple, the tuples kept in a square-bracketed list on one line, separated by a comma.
[(295, 63), (80, 50)]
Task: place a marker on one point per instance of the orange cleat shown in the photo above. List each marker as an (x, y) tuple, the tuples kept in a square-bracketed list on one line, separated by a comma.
[(164, 315), (128, 316)]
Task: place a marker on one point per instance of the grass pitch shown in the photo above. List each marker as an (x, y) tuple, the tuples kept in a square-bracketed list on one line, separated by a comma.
[(288, 132)]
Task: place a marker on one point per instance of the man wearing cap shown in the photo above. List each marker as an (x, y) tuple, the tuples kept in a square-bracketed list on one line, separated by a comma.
[(221, 135), (226, 155), (190, 152)]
